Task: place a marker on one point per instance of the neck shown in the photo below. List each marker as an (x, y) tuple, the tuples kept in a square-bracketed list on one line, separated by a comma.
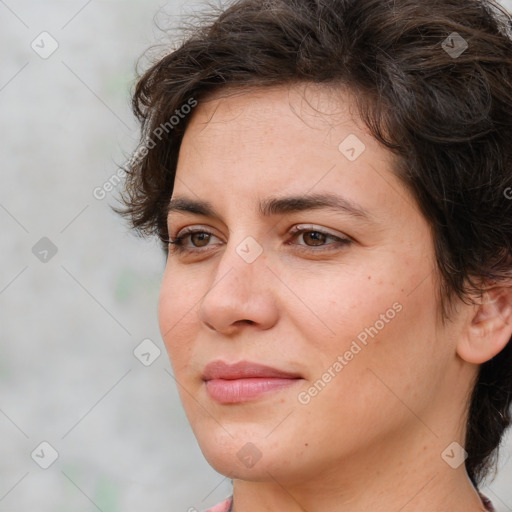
[(389, 477)]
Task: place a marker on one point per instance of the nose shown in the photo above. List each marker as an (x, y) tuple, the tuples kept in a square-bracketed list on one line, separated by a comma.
[(241, 292)]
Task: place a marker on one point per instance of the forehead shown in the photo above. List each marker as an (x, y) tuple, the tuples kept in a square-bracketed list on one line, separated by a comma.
[(315, 106), (299, 128), (241, 146)]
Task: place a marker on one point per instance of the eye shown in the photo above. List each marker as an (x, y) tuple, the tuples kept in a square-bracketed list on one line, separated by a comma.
[(196, 241), (198, 237), (317, 238)]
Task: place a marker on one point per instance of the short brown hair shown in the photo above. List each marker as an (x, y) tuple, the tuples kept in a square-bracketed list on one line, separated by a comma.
[(447, 116)]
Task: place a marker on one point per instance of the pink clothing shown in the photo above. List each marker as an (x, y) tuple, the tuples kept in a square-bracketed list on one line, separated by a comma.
[(225, 506)]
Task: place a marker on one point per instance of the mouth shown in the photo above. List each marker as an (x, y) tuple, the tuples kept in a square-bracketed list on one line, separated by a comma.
[(244, 381)]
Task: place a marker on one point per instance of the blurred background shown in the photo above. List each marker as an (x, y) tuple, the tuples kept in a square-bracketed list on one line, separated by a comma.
[(90, 417)]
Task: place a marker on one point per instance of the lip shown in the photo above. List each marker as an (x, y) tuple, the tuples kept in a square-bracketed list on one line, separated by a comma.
[(244, 370), (244, 381)]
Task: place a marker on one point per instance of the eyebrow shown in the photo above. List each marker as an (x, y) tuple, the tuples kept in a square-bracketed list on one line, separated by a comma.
[(278, 206)]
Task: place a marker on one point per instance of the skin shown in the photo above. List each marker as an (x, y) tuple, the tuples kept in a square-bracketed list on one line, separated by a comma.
[(372, 438)]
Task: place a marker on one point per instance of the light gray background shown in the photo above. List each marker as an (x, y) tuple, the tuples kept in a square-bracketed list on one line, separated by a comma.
[(69, 326)]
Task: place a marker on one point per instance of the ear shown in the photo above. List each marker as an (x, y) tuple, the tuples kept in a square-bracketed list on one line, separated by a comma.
[(489, 326)]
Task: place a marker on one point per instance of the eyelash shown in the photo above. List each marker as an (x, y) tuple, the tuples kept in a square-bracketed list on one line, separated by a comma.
[(180, 248)]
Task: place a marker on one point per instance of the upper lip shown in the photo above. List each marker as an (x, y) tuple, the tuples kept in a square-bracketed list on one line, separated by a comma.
[(243, 370)]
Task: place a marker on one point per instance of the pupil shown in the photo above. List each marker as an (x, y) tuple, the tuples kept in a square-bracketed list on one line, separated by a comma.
[(201, 236), (315, 235)]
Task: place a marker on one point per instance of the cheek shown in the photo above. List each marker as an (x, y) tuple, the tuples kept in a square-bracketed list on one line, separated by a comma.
[(403, 355), (337, 307), (377, 384), (180, 291), (177, 316), (375, 325)]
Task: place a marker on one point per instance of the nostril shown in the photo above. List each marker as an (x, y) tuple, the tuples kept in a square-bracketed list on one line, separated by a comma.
[(250, 322)]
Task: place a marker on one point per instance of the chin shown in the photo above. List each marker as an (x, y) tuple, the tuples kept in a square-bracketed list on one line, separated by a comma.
[(242, 453), (240, 460)]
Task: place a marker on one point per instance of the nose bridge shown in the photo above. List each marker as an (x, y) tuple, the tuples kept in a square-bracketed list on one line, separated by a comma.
[(242, 264), (238, 291)]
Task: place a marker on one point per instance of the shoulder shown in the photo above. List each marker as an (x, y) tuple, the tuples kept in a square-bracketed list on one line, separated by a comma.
[(221, 507)]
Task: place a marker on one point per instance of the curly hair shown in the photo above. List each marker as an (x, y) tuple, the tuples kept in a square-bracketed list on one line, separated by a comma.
[(433, 83)]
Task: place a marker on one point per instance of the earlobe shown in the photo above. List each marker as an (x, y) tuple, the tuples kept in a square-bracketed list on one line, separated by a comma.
[(489, 327)]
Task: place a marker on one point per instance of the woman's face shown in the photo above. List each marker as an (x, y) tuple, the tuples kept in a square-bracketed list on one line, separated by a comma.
[(345, 308)]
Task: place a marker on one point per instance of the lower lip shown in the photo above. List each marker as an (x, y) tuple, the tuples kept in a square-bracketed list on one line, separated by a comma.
[(242, 390)]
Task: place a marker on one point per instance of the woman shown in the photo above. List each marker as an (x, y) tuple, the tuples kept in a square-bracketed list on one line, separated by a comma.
[(332, 182)]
